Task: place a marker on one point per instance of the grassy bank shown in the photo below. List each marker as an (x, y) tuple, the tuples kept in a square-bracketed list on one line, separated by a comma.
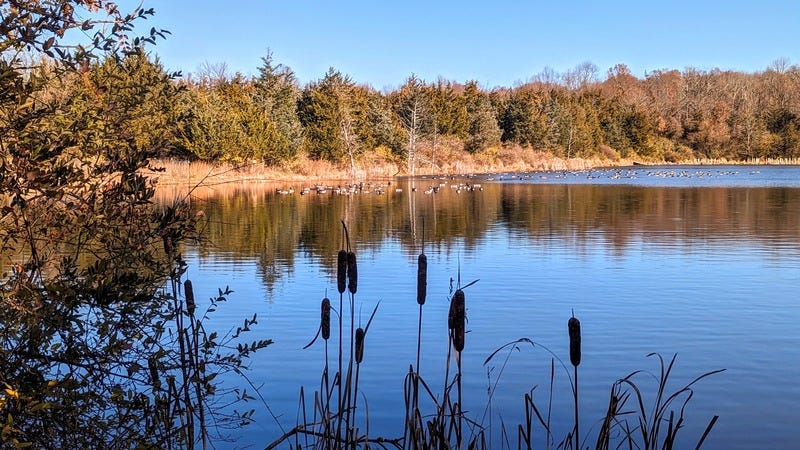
[(210, 173), (371, 167)]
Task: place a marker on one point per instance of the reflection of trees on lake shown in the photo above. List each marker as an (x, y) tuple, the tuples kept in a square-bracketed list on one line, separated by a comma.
[(262, 224), (618, 214)]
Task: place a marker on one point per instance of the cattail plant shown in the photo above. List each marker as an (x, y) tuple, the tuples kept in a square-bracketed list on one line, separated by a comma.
[(359, 339), (456, 321), (574, 328), (325, 330), (352, 287), (341, 285), (422, 289), (347, 271), (359, 356)]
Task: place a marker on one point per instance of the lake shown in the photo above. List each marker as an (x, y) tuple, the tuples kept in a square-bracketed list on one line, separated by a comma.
[(698, 261)]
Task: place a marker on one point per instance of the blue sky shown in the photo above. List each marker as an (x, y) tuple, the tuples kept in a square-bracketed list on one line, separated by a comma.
[(497, 43)]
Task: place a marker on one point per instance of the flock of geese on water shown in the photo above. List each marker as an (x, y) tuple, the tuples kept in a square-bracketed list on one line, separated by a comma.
[(458, 187), (377, 188), (615, 174)]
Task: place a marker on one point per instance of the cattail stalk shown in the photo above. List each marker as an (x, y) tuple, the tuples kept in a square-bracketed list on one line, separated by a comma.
[(360, 335), (325, 330), (341, 281), (352, 287), (456, 321), (340, 396), (422, 289), (341, 285), (574, 328)]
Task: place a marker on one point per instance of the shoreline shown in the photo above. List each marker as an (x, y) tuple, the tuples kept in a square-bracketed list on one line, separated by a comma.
[(209, 174)]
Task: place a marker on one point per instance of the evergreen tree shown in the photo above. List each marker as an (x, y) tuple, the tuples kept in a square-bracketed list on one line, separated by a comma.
[(484, 131), (277, 92), (448, 107), (334, 113)]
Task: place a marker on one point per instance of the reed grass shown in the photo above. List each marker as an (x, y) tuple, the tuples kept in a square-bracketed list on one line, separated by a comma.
[(435, 419)]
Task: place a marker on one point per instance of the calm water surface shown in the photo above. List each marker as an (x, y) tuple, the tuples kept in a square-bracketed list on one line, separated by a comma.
[(702, 262)]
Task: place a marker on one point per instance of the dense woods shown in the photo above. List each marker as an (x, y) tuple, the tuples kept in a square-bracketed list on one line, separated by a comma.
[(668, 115)]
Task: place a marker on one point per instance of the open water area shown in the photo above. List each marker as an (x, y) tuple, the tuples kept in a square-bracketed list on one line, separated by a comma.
[(702, 262)]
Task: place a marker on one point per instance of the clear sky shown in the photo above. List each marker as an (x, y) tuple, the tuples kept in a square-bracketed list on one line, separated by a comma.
[(496, 42)]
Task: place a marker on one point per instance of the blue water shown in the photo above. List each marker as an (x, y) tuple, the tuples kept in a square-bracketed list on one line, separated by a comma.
[(702, 262)]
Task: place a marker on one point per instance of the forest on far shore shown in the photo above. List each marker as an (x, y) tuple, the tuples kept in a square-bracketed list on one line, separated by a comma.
[(269, 118)]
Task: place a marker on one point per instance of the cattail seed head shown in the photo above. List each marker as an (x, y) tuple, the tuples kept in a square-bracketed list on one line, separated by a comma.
[(422, 278), (187, 289), (168, 247), (152, 364), (325, 320), (457, 319), (574, 326), (452, 315), (352, 273), (359, 345), (341, 271)]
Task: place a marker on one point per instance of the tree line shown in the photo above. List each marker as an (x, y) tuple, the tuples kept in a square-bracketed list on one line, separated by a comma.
[(667, 115)]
